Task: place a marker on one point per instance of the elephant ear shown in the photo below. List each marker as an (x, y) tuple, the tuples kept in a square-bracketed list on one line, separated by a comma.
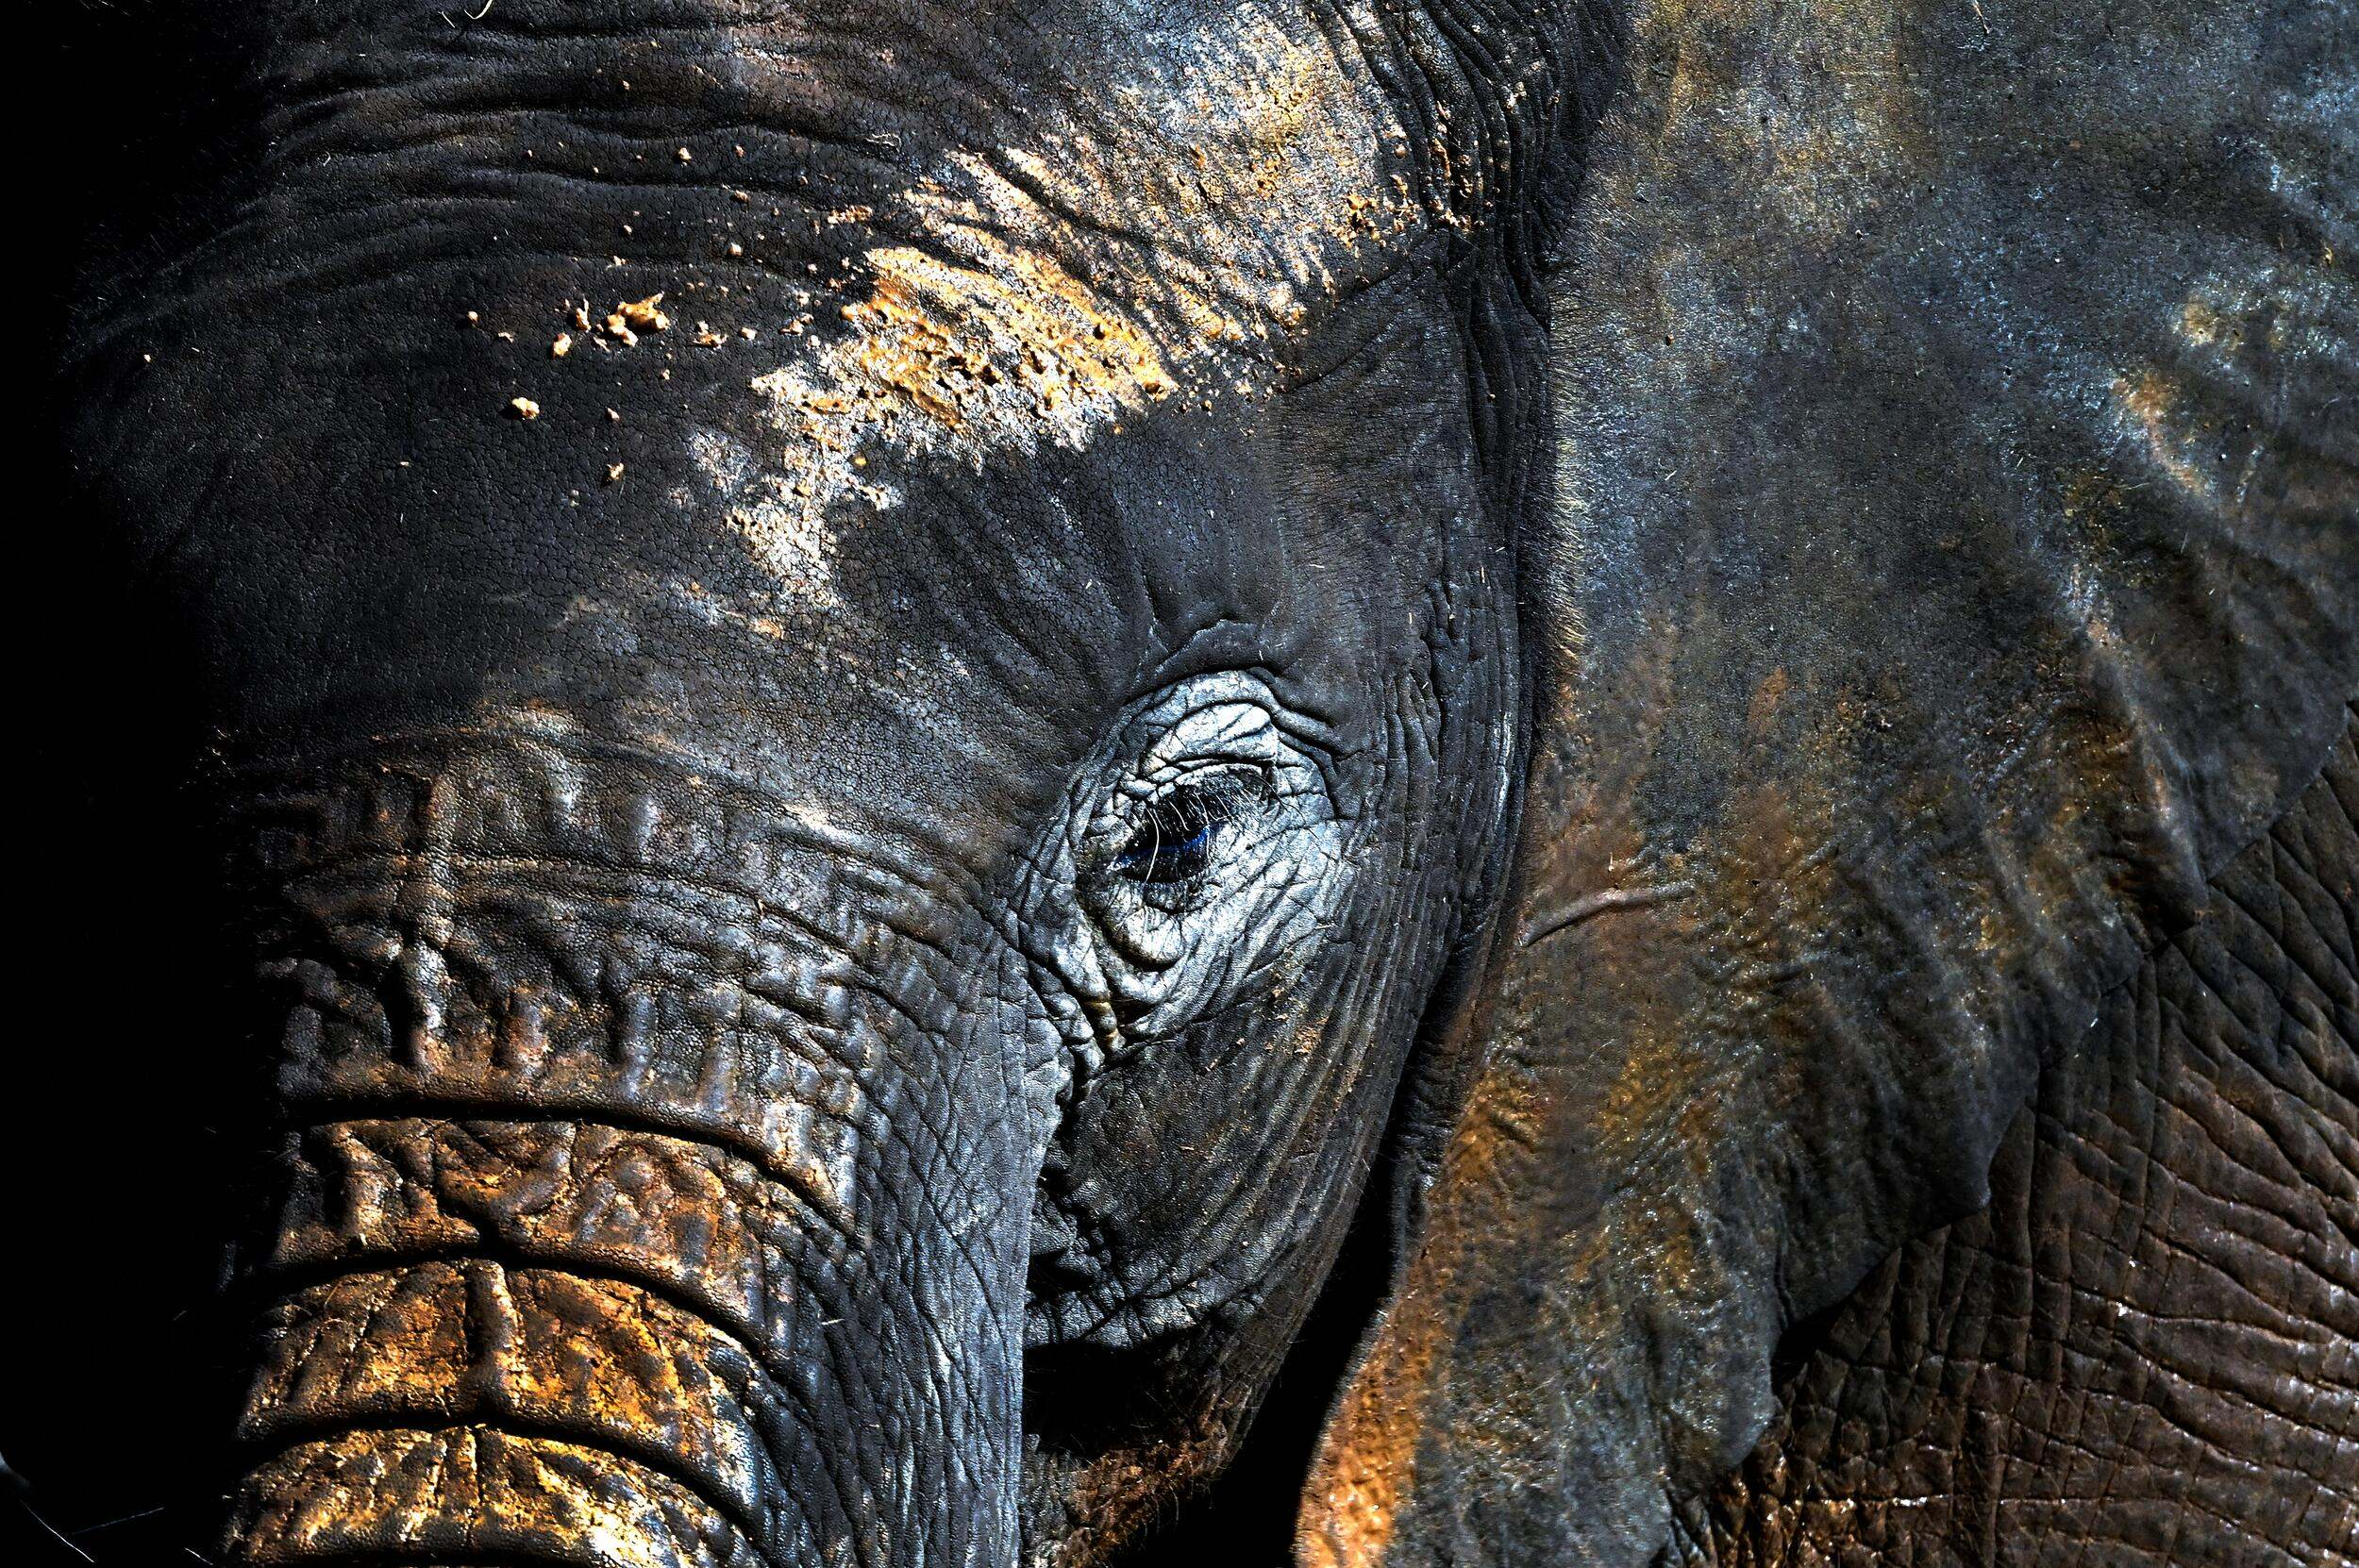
[(1954, 559)]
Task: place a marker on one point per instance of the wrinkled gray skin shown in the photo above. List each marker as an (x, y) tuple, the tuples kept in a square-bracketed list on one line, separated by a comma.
[(838, 885), (924, 873)]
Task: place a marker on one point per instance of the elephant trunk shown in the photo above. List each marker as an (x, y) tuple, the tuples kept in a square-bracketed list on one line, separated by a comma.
[(619, 1217)]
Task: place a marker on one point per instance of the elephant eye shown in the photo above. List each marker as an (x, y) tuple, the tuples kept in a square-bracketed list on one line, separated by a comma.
[(1177, 832), (1201, 838)]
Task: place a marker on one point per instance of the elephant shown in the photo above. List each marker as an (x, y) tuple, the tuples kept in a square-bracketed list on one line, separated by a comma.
[(1372, 783)]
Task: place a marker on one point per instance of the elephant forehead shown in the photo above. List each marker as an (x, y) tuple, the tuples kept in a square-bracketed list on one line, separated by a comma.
[(1224, 159), (861, 248), (924, 345)]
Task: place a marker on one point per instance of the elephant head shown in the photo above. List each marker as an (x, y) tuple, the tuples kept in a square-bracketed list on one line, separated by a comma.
[(900, 699)]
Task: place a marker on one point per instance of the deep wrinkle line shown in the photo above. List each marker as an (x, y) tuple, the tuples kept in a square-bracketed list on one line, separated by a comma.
[(411, 861), (861, 981), (290, 785), (270, 1283), (1604, 901), (522, 1428), (487, 1247), (336, 1109), (406, 864)]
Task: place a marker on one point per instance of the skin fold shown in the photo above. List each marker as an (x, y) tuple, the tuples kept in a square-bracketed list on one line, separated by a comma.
[(885, 759)]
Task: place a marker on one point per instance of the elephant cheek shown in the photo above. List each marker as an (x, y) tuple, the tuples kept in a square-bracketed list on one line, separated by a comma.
[(600, 1239)]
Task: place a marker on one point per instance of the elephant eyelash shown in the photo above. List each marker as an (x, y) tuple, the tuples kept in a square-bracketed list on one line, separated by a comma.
[(1171, 840)]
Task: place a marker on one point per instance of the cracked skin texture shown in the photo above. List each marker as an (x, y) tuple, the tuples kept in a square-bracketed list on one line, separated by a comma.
[(2145, 1352)]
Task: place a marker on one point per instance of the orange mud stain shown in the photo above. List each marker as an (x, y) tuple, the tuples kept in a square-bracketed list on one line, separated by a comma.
[(378, 1489), (973, 360), (2154, 403), (441, 1341), (941, 339), (1763, 711)]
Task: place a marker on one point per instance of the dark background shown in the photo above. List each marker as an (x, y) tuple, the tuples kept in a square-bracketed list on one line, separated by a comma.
[(119, 1142)]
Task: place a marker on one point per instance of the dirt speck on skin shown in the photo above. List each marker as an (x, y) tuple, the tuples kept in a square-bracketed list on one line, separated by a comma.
[(524, 408), (643, 314), (634, 316)]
